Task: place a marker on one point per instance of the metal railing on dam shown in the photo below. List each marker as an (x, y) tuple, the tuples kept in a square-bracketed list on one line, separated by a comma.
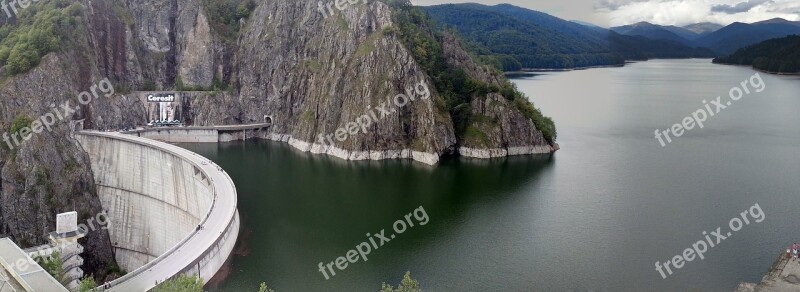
[(171, 211)]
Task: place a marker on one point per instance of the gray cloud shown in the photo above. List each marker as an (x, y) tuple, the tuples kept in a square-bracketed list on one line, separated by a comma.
[(611, 5), (738, 8)]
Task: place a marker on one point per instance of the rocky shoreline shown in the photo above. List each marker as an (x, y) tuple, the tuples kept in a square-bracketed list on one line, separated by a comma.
[(505, 152), (784, 275), (423, 157)]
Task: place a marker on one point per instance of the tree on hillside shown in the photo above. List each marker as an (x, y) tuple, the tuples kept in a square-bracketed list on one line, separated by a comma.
[(781, 55), (182, 283), (265, 288), (87, 284), (53, 265), (406, 285)]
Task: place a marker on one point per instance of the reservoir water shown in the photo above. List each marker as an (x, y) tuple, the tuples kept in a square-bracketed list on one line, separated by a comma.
[(595, 216)]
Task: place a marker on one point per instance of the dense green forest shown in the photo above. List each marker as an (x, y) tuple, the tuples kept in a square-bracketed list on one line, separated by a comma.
[(780, 55), (511, 42), (513, 38), (42, 28), (224, 15), (423, 39)]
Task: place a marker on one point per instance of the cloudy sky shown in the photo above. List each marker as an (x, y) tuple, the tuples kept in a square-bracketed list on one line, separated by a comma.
[(665, 12)]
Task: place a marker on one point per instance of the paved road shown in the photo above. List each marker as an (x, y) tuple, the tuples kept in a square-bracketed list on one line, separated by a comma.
[(222, 212)]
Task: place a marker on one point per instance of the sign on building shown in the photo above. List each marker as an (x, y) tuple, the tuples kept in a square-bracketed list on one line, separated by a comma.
[(161, 98), (166, 107), (67, 222)]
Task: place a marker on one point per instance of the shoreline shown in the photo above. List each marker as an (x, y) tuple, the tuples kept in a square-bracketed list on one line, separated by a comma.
[(535, 70), (427, 158), (545, 70), (783, 275), (759, 70)]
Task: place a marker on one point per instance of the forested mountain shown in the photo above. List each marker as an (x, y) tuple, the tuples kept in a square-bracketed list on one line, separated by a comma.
[(513, 38), (780, 55), (686, 35), (658, 32), (642, 48), (739, 35), (703, 28), (723, 40)]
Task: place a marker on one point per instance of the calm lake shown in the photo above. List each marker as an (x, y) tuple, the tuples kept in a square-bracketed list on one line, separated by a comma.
[(595, 216)]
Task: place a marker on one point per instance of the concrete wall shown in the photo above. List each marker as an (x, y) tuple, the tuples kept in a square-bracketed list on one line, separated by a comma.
[(193, 134), (155, 199), (181, 135)]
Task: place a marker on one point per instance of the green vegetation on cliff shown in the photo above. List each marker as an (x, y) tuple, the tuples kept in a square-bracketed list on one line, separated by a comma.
[(53, 265), (224, 15), (20, 122), (458, 89), (87, 284), (780, 55), (40, 29), (406, 285), (182, 283)]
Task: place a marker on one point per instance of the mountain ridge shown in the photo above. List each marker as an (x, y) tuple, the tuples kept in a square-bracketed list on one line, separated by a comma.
[(514, 38), (721, 39), (781, 56)]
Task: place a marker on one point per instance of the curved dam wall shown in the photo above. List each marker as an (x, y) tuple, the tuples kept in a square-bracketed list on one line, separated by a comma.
[(157, 195)]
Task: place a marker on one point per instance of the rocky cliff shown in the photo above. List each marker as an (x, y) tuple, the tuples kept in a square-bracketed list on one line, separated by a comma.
[(363, 81), (314, 70), (48, 173)]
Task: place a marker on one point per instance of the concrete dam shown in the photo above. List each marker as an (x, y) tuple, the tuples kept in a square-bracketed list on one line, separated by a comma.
[(171, 211)]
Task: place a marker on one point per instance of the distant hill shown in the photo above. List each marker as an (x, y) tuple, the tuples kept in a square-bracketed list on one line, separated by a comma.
[(723, 40), (739, 35), (514, 38), (642, 48), (658, 32), (780, 55), (584, 23), (779, 20), (703, 28)]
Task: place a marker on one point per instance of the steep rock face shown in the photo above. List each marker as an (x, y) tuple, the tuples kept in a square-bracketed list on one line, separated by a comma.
[(49, 173), (498, 127), (501, 130), (154, 44), (315, 75), (196, 53)]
